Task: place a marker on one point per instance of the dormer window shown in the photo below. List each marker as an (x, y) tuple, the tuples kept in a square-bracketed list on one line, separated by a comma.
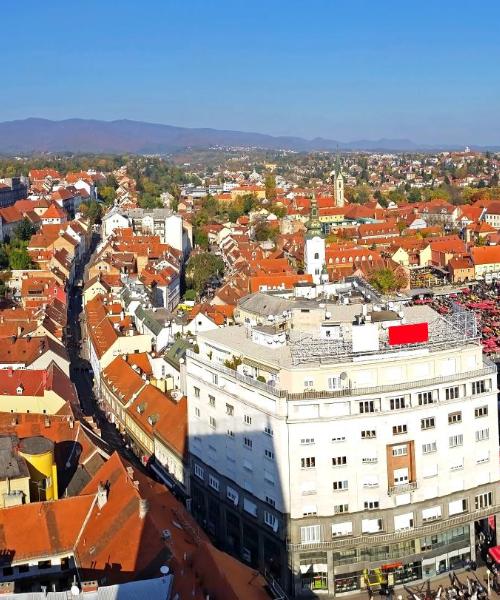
[(20, 390)]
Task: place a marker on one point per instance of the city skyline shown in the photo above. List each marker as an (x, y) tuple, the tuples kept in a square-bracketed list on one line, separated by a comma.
[(334, 71)]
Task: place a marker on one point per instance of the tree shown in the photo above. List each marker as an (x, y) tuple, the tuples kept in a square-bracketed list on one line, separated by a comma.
[(20, 259), (201, 268), (200, 238), (107, 194), (270, 183), (264, 232), (4, 258), (24, 230), (414, 195), (92, 210), (148, 200), (387, 280)]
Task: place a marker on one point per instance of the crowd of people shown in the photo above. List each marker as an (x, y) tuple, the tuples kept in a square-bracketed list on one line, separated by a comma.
[(483, 300)]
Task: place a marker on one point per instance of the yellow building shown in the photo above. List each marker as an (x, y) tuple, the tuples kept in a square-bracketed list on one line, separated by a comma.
[(38, 452)]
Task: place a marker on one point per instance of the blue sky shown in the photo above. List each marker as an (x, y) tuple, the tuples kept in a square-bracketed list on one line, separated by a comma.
[(427, 70)]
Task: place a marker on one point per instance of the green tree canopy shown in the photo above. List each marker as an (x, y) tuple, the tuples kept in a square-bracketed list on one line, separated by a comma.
[(24, 230), (202, 267)]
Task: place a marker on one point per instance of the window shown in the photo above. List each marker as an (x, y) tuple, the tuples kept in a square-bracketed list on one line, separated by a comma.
[(213, 423), (397, 403), (368, 434), (340, 508), (399, 429), (307, 441), (479, 387), (341, 485), (339, 438), (215, 379), (308, 383), (481, 411), (316, 255), (310, 534), (213, 482), (371, 504), (371, 525), (269, 454), (196, 392), (229, 410), (366, 460), (425, 398), (269, 477), (401, 476), (484, 500), (211, 400), (370, 481), (456, 440), (429, 448), (271, 501), (198, 471), (452, 393), (270, 520), (340, 529), (482, 434), (309, 510), (248, 443), (308, 462), (197, 412), (247, 420), (249, 507), (367, 406), (339, 461), (230, 433), (457, 506), (428, 423), (458, 465), (401, 450), (454, 417), (268, 431), (334, 383)]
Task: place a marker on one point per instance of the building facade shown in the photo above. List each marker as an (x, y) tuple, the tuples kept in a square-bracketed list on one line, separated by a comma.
[(317, 455)]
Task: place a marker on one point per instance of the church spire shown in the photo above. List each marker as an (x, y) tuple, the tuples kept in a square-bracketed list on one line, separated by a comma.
[(314, 224)]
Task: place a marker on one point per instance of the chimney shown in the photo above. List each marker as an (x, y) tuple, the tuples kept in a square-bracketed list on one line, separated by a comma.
[(47, 422), (143, 507), (102, 495)]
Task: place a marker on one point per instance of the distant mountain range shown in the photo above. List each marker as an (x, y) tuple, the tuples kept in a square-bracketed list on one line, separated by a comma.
[(136, 137)]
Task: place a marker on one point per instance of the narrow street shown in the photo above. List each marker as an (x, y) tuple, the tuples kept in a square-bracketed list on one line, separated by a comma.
[(80, 372)]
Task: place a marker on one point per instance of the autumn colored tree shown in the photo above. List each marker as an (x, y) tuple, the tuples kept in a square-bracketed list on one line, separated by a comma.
[(387, 280), (270, 183)]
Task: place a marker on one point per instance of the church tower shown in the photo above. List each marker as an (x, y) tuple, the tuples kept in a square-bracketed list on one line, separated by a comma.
[(338, 183), (314, 253)]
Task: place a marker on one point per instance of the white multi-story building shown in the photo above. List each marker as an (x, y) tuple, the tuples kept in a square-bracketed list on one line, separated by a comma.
[(363, 438)]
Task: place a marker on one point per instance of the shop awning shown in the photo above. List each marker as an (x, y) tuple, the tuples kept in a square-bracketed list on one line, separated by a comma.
[(495, 553)]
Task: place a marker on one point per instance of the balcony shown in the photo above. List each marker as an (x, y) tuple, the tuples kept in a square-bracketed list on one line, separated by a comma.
[(277, 392), (373, 539), (403, 488)]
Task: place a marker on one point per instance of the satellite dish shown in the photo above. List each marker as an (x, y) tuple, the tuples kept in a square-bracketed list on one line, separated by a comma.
[(75, 590), (164, 570), (343, 375)]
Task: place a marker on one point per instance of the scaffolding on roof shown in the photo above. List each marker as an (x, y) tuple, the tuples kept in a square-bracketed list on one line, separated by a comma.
[(456, 329)]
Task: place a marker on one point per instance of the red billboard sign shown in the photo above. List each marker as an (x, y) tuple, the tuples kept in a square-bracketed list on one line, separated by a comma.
[(408, 334)]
